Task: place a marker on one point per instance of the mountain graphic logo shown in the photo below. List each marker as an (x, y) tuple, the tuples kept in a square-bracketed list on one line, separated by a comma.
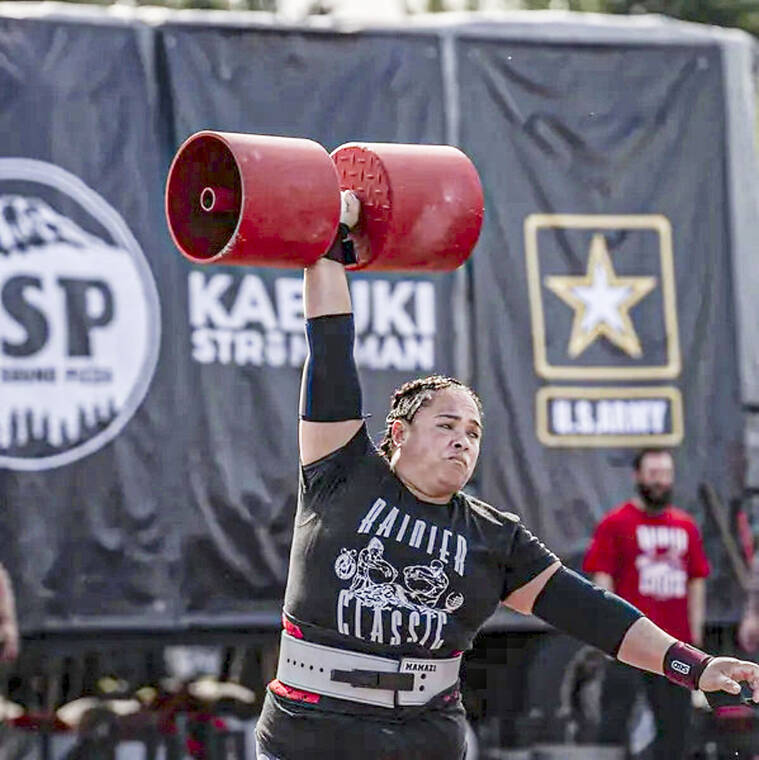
[(79, 318)]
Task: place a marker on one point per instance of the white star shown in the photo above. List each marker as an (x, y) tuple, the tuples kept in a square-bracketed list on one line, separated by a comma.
[(602, 301)]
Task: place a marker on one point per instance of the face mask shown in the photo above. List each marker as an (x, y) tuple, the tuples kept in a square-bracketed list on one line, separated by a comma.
[(655, 498)]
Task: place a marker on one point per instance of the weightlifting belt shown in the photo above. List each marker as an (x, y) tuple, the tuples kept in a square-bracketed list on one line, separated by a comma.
[(362, 677)]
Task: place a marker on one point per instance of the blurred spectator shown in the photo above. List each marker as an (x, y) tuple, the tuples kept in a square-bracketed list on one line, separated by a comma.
[(651, 554), (748, 632), (8, 624)]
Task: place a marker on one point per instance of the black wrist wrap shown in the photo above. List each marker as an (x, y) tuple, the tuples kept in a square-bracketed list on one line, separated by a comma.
[(684, 664), (331, 391), (342, 249), (585, 611)]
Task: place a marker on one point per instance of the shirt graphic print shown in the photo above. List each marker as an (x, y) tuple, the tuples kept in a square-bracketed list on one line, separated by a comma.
[(416, 599), (661, 564)]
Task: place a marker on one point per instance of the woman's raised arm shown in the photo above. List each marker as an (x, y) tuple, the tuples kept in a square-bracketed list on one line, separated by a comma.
[(330, 396)]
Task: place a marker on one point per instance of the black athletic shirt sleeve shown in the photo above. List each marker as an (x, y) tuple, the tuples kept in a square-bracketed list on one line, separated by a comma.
[(526, 557), (320, 478)]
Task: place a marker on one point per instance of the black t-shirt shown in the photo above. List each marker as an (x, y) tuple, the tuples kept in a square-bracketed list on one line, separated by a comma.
[(374, 569)]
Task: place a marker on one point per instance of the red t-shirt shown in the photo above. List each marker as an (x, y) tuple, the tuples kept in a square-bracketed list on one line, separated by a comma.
[(651, 559)]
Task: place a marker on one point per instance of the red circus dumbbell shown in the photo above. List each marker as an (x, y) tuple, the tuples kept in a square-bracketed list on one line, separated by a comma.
[(275, 201)]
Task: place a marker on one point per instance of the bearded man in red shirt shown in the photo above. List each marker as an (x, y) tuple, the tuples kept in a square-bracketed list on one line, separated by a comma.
[(651, 554)]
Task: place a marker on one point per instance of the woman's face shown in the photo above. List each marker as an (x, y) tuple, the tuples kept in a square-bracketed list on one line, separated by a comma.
[(438, 450)]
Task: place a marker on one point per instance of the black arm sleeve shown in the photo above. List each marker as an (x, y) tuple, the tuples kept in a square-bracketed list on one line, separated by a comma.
[(585, 611), (331, 391)]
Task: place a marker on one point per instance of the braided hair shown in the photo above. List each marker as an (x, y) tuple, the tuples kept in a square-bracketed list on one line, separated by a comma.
[(411, 397)]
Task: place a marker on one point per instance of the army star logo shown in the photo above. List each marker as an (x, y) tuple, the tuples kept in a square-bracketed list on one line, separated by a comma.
[(602, 301)]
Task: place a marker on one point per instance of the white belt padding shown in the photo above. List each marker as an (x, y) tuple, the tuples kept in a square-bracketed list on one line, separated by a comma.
[(308, 666)]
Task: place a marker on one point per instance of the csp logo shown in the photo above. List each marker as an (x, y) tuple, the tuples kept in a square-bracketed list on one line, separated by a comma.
[(79, 318)]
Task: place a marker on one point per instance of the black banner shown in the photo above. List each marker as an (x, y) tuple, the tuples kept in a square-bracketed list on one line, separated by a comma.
[(91, 481), (607, 235), (244, 344)]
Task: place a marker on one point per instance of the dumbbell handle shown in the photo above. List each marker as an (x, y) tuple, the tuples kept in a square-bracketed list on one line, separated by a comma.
[(721, 699)]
